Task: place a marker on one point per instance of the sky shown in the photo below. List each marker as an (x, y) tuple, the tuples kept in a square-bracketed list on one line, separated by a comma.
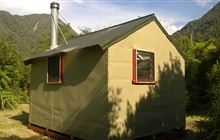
[(98, 14)]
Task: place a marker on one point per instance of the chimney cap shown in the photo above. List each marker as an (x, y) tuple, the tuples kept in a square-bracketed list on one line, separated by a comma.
[(54, 5)]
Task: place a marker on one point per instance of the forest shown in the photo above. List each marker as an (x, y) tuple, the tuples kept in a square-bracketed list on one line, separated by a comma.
[(199, 40)]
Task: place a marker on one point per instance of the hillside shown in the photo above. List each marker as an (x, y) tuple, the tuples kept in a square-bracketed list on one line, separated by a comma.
[(205, 28), (25, 32)]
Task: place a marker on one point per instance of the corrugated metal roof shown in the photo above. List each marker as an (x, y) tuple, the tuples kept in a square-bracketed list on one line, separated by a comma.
[(103, 38)]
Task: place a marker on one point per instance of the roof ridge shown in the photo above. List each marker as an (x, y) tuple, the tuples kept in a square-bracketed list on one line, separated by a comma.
[(153, 15)]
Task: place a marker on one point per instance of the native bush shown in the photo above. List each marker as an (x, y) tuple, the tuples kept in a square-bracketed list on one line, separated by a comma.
[(213, 128), (14, 78), (201, 57), (8, 100)]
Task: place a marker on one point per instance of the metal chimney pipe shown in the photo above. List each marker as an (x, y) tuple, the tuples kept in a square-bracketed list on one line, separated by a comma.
[(54, 6)]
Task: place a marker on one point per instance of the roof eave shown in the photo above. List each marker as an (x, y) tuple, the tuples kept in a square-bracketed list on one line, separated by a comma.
[(28, 61)]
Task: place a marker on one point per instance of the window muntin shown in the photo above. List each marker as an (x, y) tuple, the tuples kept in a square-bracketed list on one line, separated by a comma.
[(143, 66), (55, 68)]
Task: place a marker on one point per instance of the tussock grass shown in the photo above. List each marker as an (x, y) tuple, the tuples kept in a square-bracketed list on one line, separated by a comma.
[(192, 126)]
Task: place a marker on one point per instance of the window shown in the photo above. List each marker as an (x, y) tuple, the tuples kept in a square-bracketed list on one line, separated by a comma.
[(143, 67), (55, 69)]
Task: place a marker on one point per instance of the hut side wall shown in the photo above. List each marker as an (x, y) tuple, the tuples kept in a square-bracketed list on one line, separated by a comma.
[(145, 109), (79, 106)]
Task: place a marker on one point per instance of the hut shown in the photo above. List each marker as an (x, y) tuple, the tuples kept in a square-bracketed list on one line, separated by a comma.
[(121, 82)]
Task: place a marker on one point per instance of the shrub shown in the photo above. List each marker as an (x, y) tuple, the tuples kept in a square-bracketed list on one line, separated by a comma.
[(7, 100), (211, 128), (23, 97)]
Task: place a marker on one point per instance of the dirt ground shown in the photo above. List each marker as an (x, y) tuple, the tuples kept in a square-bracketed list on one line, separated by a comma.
[(13, 125)]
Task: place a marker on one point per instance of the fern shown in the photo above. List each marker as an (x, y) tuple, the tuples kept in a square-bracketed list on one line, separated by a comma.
[(5, 80), (8, 100)]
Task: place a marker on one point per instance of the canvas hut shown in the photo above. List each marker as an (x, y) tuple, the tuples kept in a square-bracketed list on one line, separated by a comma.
[(121, 82)]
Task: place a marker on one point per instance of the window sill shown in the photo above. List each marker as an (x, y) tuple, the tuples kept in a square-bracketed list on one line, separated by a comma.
[(143, 83), (55, 83)]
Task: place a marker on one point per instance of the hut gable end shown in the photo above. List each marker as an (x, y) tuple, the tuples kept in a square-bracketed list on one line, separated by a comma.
[(151, 45)]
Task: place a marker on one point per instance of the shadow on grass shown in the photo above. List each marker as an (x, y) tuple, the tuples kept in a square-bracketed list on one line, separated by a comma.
[(23, 117), (14, 137), (202, 110), (201, 122), (207, 130), (191, 135)]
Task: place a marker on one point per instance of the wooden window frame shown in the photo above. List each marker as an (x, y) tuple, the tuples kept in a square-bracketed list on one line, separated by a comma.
[(134, 77), (60, 70)]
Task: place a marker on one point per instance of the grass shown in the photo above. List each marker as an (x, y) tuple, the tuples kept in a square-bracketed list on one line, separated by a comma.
[(13, 125), (193, 131), (193, 123)]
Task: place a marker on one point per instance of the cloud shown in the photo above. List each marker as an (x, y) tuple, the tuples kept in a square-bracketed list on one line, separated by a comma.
[(24, 7), (203, 2), (169, 25), (98, 15), (101, 15)]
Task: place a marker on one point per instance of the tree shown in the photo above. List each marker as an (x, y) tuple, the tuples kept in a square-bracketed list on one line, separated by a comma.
[(43, 42), (201, 58), (85, 30), (14, 77), (13, 71)]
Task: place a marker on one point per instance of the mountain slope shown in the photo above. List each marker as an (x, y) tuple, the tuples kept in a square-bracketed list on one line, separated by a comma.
[(205, 28), (24, 32)]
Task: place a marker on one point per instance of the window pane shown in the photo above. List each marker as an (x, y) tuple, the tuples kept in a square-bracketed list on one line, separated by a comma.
[(54, 68), (145, 66)]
